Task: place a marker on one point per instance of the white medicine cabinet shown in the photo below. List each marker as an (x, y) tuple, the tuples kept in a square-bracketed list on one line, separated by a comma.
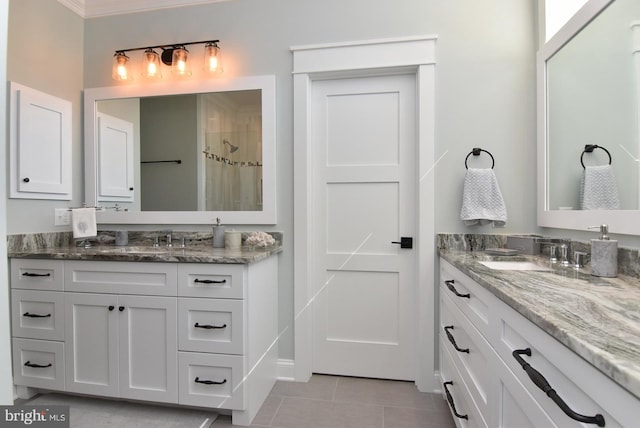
[(40, 145)]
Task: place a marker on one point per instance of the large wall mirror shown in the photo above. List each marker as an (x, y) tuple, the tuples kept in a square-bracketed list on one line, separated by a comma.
[(182, 152), (588, 95)]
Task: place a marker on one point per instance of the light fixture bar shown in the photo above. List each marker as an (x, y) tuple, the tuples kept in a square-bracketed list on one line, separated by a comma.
[(171, 46)]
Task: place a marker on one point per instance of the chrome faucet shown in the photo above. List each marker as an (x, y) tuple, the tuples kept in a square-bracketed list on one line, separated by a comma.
[(554, 244)]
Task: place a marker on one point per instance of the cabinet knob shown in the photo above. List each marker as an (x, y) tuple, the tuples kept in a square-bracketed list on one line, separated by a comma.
[(121, 308), (26, 179), (111, 307), (131, 188)]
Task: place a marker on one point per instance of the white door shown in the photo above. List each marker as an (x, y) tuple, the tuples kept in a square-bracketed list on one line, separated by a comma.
[(148, 348), (115, 159), (91, 342), (364, 131)]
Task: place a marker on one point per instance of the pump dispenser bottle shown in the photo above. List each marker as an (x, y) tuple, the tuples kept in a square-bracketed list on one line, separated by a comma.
[(604, 254)]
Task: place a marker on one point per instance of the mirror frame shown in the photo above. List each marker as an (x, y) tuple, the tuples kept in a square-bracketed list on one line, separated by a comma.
[(265, 83), (619, 221)]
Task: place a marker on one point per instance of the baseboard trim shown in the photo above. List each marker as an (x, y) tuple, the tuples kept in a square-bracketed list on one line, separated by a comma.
[(286, 370)]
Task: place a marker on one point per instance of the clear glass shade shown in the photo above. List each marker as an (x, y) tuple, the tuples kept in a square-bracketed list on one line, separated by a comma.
[(180, 64), (121, 67), (212, 59), (151, 65)]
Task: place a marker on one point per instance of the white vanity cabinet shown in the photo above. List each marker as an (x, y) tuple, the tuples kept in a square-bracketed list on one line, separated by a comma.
[(195, 334), (484, 344)]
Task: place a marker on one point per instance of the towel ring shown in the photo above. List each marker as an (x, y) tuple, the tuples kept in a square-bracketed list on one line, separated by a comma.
[(476, 152), (589, 148)]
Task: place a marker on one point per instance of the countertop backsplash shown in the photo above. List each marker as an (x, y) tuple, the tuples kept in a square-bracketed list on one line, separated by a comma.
[(628, 258)]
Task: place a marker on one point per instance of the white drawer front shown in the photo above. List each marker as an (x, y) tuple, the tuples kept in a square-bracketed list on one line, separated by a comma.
[(467, 295), (465, 413), (159, 279), (211, 380), (220, 281), (37, 314), (37, 274), (211, 325), (38, 363), (570, 380), (470, 352)]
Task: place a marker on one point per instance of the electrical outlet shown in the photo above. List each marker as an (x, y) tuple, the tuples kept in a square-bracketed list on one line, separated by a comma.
[(62, 217)]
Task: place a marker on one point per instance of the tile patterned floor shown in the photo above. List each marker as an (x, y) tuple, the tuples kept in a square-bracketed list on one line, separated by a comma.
[(346, 402)]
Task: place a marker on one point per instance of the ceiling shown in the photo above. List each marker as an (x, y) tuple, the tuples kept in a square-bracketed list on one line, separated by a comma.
[(96, 8)]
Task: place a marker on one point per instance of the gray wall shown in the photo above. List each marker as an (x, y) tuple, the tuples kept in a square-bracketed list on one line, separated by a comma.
[(45, 46), (485, 83)]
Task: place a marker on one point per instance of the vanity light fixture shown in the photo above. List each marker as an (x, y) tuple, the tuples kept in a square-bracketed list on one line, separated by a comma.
[(175, 56)]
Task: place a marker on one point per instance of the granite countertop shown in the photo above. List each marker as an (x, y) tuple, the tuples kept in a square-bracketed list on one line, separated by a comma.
[(136, 253), (597, 318)]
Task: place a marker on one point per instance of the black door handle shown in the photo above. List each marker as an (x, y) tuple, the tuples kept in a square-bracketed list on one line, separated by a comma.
[(405, 242)]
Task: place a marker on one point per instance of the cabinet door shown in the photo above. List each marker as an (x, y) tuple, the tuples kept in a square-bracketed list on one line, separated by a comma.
[(115, 159), (91, 334), (40, 145), (148, 348)]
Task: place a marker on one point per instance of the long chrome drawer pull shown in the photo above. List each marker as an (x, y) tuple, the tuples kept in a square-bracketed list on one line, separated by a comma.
[(542, 383), (27, 314), (453, 340), (209, 327), (451, 403), (210, 382), (37, 366), (209, 281), (450, 283), (35, 274)]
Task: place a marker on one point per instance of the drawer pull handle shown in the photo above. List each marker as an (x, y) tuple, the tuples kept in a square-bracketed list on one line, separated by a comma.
[(209, 281), (451, 403), (27, 314), (209, 327), (210, 382), (450, 283), (542, 383), (453, 340), (36, 366), (35, 274)]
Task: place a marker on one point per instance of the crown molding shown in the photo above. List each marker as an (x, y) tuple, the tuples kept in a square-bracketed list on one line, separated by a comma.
[(97, 8)]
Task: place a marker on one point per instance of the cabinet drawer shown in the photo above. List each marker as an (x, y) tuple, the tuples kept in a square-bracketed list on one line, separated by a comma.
[(211, 325), (465, 413), (467, 295), (159, 279), (37, 314), (470, 352), (37, 274), (221, 281), (567, 374), (38, 363), (211, 380)]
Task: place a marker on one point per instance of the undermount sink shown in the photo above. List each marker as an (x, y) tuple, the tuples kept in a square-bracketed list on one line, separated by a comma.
[(513, 265)]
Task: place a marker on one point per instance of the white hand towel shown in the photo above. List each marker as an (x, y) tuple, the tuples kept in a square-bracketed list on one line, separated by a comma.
[(598, 189), (482, 201), (83, 223)]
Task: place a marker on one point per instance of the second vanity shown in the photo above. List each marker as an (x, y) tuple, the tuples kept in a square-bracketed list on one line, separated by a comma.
[(194, 327), (512, 339)]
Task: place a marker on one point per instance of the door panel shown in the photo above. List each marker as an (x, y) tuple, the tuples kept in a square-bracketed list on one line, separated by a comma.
[(364, 187)]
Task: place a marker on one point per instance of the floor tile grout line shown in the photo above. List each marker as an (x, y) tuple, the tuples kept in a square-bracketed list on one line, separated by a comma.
[(276, 412)]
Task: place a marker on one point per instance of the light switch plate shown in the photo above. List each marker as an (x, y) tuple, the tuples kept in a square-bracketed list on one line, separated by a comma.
[(62, 217)]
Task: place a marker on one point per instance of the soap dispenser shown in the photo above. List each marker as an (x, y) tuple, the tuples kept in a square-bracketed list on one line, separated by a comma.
[(604, 254)]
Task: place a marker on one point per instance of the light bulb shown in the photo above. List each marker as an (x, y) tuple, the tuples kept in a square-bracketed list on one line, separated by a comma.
[(120, 70), (151, 64), (180, 66), (212, 60)]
